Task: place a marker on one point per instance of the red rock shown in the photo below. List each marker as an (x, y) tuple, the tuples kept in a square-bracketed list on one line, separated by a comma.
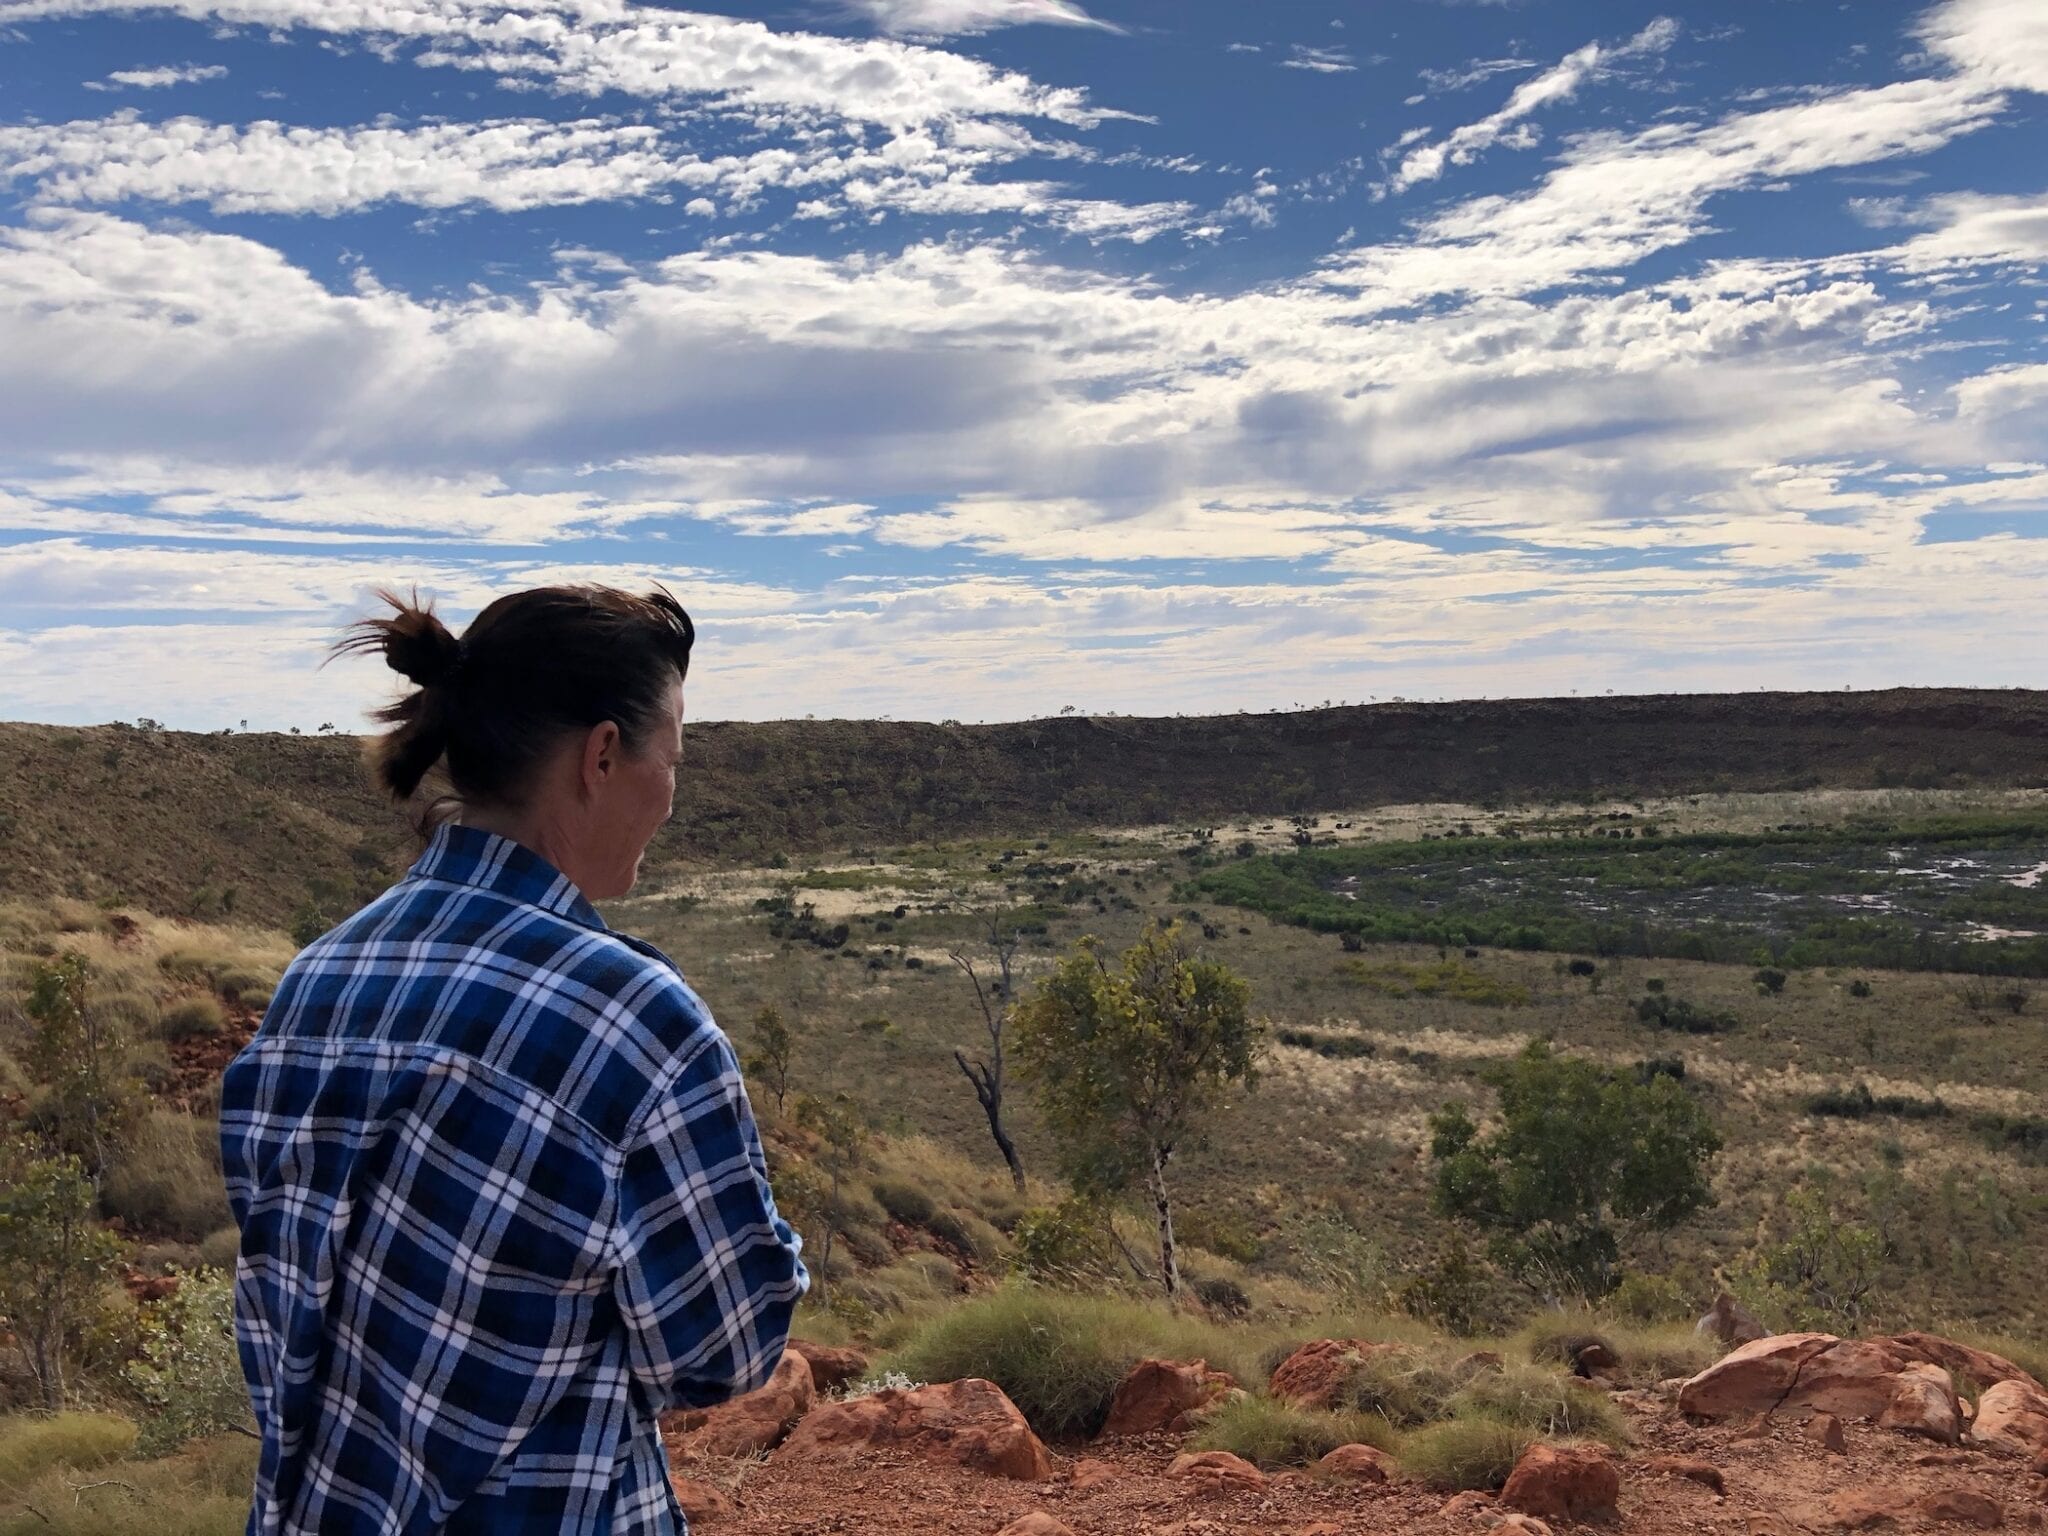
[(748, 1425), (1164, 1394), (963, 1423), (702, 1503), (1470, 1502), (1825, 1430), (1572, 1482), (1088, 1474), (1037, 1523), (1217, 1471), (1691, 1468), (1963, 1506), (1848, 1377), (1315, 1375), (1523, 1525), (1980, 1367), (1358, 1464), (2014, 1415), (831, 1368), (1321, 1528), (1866, 1509), (1924, 1403)]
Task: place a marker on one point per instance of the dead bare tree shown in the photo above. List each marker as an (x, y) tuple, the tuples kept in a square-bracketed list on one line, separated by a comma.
[(987, 1075)]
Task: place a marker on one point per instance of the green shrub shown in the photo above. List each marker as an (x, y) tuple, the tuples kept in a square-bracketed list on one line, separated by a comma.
[(1542, 1402), (1268, 1433), (1405, 1388), (239, 985), (77, 1442), (1649, 1299), (190, 1374), (1059, 1356), (967, 1232), (1464, 1453), (1557, 1336), (1658, 1351), (906, 1202), (219, 1250), (193, 1017), (1064, 1243)]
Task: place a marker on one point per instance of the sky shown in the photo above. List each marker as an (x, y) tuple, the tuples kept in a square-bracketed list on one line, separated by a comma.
[(978, 359)]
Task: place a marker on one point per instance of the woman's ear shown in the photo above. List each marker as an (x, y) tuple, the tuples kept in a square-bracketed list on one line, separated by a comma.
[(600, 753)]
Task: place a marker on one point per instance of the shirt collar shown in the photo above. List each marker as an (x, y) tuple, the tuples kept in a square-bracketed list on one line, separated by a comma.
[(470, 856)]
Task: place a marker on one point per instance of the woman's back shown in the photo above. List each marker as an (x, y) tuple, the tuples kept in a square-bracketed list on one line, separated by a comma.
[(502, 1203)]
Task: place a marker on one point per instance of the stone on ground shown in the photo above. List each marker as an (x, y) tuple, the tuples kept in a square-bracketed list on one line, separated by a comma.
[(2013, 1414), (1862, 1378), (1358, 1464), (1691, 1468), (968, 1423), (1217, 1471), (1037, 1523), (1570, 1482), (1315, 1375), (1169, 1395), (702, 1503), (748, 1425), (831, 1368)]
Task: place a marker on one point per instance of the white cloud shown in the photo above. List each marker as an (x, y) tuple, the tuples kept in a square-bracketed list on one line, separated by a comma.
[(1559, 83), (951, 18), (2002, 42), (157, 78), (1322, 61)]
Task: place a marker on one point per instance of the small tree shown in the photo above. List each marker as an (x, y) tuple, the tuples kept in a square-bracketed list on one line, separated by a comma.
[(190, 1372), (1821, 1273), (1127, 1063), (986, 1074), (76, 1052), (774, 1049), (53, 1259), (1580, 1150), (842, 1134)]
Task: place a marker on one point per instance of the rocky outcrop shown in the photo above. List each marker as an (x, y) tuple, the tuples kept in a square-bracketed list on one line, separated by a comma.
[(748, 1425), (2013, 1414), (702, 1504), (831, 1368), (1166, 1395), (1979, 1367), (1358, 1464), (1315, 1375), (1217, 1471), (1567, 1482), (1852, 1378), (968, 1423)]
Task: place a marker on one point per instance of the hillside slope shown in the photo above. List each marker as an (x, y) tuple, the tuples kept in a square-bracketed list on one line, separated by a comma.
[(250, 824)]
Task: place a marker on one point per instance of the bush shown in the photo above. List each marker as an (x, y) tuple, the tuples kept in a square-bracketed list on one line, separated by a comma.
[(1649, 1299), (1063, 1243), (1268, 1433), (1542, 1402), (1558, 1336), (77, 1442), (193, 1018), (240, 985), (906, 1202), (168, 1180), (1464, 1453), (1769, 980), (1405, 1388), (1222, 1295), (967, 1232), (1859, 1103), (190, 1374), (219, 1250), (1662, 1011), (1058, 1356), (1859, 988)]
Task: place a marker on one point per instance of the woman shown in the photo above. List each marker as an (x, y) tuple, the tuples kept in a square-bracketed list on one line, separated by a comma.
[(501, 1196)]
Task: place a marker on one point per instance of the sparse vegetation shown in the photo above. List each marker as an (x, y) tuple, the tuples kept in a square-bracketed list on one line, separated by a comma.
[(1274, 1434), (1464, 1453)]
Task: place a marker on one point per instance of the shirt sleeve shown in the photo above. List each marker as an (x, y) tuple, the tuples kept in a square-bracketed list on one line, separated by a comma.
[(707, 1272)]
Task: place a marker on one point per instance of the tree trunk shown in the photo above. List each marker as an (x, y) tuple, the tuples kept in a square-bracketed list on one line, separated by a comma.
[(988, 1088), (1169, 1259)]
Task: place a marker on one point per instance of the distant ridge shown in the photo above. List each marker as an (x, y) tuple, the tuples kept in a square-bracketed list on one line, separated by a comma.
[(251, 823)]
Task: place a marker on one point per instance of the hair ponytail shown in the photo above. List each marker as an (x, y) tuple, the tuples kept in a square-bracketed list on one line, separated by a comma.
[(418, 646), (530, 668)]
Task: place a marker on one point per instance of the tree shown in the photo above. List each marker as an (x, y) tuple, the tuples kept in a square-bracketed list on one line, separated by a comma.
[(53, 1258), (76, 1051), (189, 1371), (842, 1134), (1127, 1063), (774, 1049), (987, 1074), (1580, 1150)]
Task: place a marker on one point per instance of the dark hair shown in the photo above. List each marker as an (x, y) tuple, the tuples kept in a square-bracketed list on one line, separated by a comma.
[(530, 668)]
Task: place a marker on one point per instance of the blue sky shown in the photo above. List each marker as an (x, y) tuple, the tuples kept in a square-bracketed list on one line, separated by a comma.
[(974, 358)]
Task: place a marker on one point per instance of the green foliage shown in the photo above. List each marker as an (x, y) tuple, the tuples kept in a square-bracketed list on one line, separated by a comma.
[(167, 1181), (1268, 1433), (842, 1141), (906, 1202), (1819, 1273), (189, 1373), (1661, 1011), (1059, 1356), (1859, 1103), (1542, 1402), (1127, 1064), (1649, 1298), (1340, 1261), (773, 1053), (1449, 1290), (1464, 1453), (1769, 980), (53, 1259), (1449, 979), (1404, 1387), (76, 1051), (73, 1442), (1859, 988), (1064, 1244), (1579, 1150)]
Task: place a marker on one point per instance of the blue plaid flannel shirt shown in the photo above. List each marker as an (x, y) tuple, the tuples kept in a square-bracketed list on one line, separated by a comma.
[(502, 1203)]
